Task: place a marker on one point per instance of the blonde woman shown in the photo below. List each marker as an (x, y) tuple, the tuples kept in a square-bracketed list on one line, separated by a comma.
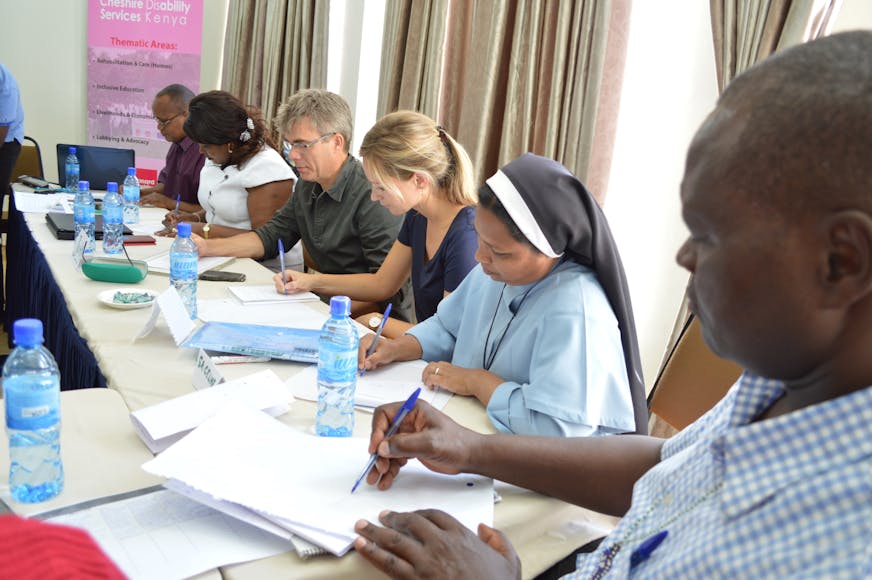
[(419, 170)]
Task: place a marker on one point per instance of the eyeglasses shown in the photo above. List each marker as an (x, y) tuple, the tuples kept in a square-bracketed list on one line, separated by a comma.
[(302, 146), (162, 124)]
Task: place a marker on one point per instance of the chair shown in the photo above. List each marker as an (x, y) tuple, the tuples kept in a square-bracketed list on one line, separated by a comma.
[(29, 160), (29, 163), (691, 380)]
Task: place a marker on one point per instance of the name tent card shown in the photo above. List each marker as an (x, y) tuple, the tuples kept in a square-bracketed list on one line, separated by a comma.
[(170, 304)]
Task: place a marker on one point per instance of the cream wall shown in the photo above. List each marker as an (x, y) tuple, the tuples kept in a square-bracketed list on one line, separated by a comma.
[(44, 44), (669, 87)]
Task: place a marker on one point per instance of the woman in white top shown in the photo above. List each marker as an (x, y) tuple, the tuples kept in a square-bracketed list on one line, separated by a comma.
[(244, 180)]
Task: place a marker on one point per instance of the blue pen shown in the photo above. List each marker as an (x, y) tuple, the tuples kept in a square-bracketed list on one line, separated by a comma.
[(282, 266), (178, 201), (646, 548), (378, 334), (404, 410)]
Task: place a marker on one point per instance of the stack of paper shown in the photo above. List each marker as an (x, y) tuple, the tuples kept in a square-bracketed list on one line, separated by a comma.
[(394, 382), (266, 293), (154, 534), (161, 425), (303, 482)]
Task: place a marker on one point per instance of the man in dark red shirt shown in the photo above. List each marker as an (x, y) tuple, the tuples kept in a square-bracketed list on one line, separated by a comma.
[(181, 175)]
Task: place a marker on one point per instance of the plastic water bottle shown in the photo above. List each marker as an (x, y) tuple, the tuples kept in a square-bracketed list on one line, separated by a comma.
[(337, 371), (183, 267), (83, 213), (31, 391), (71, 171), (131, 197), (113, 229)]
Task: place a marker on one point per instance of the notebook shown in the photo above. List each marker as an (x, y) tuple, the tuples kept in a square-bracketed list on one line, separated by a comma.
[(97, 165), (63, 226)]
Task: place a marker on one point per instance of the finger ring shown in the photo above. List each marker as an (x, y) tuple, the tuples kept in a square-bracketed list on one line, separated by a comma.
[(436, 372)]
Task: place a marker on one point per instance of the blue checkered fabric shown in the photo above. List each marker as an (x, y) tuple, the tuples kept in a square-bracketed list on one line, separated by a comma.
[(786, 497)]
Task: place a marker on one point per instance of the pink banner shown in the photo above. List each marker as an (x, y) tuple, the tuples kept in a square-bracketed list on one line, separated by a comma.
[(136, 48)]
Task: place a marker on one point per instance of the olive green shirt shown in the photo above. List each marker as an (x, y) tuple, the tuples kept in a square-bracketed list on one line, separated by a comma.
[(343, 229)]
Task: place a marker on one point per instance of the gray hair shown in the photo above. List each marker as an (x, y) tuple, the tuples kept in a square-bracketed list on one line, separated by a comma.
[(328, 111)]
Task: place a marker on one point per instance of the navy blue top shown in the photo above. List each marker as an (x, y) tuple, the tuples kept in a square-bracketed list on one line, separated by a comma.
[(444, 271)]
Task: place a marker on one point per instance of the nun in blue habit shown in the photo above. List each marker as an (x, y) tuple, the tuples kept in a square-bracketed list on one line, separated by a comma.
[(541, 331)]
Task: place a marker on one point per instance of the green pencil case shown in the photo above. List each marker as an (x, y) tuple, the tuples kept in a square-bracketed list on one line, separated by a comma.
[(115, 270)]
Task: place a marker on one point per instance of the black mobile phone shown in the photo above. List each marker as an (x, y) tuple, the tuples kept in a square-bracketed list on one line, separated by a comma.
[(31, 181), (222, 276)]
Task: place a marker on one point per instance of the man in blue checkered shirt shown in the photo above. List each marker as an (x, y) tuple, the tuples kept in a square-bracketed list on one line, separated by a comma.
[(776, 480)]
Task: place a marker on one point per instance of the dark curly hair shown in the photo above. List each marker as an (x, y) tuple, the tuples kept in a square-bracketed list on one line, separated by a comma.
[(219, 118)]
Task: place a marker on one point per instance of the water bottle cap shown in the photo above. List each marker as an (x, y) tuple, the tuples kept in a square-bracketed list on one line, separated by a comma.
[(72, 151), (340, 306), (112, 186), (84, 185), (184, 230), (131, 171), (27, 332)]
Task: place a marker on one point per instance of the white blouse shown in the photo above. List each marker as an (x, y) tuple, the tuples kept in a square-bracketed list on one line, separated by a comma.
[(224, 193)]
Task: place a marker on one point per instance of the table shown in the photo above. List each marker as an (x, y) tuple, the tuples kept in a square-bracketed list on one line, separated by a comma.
[(152, 369)]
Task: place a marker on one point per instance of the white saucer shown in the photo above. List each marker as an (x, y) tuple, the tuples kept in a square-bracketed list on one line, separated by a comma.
[(106, 297)]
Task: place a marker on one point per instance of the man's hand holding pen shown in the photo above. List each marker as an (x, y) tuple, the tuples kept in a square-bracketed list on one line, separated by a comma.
[(292, 281), (437, 441)]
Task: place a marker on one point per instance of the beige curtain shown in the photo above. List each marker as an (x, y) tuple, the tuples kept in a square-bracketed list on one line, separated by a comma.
[(411, 68), (273, 48), (509, 76), (746, 32)]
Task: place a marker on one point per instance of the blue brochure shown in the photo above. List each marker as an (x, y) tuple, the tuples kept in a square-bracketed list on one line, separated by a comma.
[(295, 344)]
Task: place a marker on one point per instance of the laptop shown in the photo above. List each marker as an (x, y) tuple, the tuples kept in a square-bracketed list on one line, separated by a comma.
[(97, 165), (63, 226)]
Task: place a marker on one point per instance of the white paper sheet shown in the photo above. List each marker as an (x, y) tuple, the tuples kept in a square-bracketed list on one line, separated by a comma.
[(170, 304), (292, 315), (161, 425), (394, 382), (266, 293), (166, 535), (43, 202), (249, 458), (161, 263)]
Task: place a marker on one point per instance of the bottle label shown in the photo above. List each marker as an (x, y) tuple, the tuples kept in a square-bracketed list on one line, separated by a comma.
[(337, 365), (31, 403), (183, 266), (131, 193), (84, 213), (112, 214)]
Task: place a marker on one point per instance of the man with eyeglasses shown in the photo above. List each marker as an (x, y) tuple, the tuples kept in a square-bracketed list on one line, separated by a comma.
[(181, 174), (342, 229)]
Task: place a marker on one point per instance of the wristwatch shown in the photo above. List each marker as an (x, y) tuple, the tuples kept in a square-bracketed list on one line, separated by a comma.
[(374, 322), (206, 228)]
